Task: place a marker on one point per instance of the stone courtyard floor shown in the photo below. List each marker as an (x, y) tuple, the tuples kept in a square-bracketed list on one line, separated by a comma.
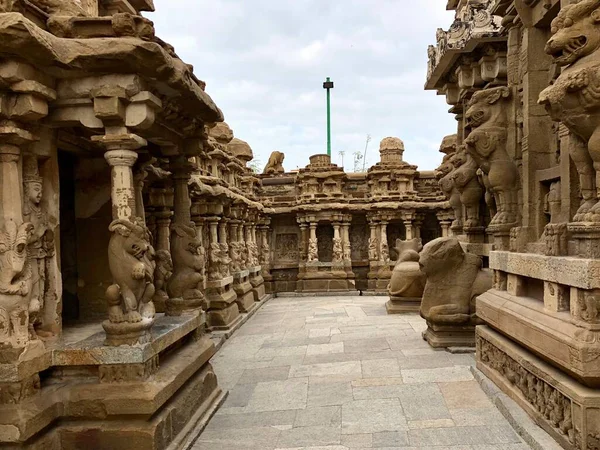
[(339, 373)]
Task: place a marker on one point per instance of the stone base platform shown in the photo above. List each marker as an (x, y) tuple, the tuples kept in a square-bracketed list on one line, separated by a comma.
[(326, 285), (378, 285), (145, 396), (258, 283), (401, 305), (223, 311), (563, 407), (444, 336), (243, 289)]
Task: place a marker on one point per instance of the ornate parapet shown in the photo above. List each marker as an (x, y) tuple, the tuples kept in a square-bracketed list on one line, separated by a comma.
[(474, 26)]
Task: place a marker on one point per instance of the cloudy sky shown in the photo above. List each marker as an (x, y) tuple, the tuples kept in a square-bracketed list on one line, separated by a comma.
[(264, 62)]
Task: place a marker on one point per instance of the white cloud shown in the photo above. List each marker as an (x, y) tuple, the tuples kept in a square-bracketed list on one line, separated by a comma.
[(264, 62)]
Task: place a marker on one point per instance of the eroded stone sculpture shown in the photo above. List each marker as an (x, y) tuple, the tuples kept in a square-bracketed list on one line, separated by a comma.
[(454, 279), (407, 281), (162, 275), (486, 115), (15, 285), (275, 163), (574, 98), (185, 286), (467, 184), (130, 308)]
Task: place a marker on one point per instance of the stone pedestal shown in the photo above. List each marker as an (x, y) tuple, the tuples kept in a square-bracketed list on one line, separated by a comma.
[(319, 277), (243, 290), (444, 336), (223, 311), (118, 397), (401, 305), (258, 283)]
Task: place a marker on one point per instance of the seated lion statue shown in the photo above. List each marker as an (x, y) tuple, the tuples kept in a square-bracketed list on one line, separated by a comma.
[(275, 164)]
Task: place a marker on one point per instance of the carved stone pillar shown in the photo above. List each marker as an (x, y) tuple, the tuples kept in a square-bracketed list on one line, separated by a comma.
[(242, 247), (163, 223), (384, 251), (303, 241), (130, 307), (445, 225), (373, 241), (347, 253), (313, 244), (338, 249), (224, 246), (234, 250), (184, 287), (214, 270)]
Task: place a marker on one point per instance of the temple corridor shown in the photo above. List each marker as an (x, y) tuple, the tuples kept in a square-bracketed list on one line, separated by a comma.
[(339, 373)]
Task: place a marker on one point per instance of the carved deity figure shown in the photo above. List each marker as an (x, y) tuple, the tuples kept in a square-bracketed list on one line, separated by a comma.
[(338, 250), (185, 286), (486, 116), (574, 98), (15, 284), (313, 250), (275, 164), (466, 182), (130, 261), (234, 256), (214, 258), (162, 275), (447, 185), (373, 249), (224, 259), (40, 246), (454, 280), (407, 279), (384, 251)]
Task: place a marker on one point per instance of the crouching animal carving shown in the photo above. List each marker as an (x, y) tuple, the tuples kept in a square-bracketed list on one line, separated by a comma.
[(162, 275), (574, 98), (15, 285), (188, 263), (454, 280), (130, 259), (486, 115), (407, 279), (446, 183), (275, 164), (467, 184)]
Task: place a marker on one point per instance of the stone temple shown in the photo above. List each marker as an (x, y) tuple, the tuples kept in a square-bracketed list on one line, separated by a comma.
[(156, 293)]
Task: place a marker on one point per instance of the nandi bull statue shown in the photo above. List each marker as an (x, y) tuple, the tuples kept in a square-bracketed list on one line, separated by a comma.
[(574, 98), (407, 281)]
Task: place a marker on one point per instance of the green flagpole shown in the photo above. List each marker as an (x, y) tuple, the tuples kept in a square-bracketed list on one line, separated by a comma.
[(328, 85)]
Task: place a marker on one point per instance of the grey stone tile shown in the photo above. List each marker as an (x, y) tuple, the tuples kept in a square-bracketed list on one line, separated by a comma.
[(239, 396), (354, 441), (366, 345), (325, 394), (477, 417), (390, 439), (442, 374), (328, 416), (279, 395), (309, 436), (464, 394), (423, 402), (494, 434), (372, 416), (351, 370), (253, 376), (325, 349), (262, 438), (378, 368), (252, 420)]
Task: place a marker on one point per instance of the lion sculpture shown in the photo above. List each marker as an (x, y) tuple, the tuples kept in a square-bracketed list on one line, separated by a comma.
[(275, 164), (574, 98)]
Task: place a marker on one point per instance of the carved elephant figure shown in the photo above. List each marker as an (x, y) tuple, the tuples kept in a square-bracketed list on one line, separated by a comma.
[(454, 280), (15, 284), (187, 263), (132, 270)]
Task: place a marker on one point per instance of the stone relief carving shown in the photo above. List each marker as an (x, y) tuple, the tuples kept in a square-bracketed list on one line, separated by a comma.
[(373, 249), (313, 250), (162, 275), (549, 402), (286, 247), (130, 260), (574, 97), (15, 284), (407, 278), (40, 246), (235, 256), (214, 257), (467, 184), (486, 115), (454, 279), (186, 283), (275, 164), (338, 250), (224, 259), (450, 191)]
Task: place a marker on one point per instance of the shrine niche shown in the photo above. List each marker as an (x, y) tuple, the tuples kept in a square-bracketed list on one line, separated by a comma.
[(286, 247)]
